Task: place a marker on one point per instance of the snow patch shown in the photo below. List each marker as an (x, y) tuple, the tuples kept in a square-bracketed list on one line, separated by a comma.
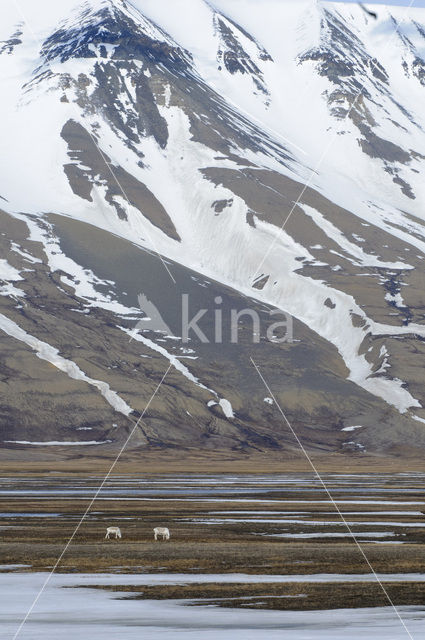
[(396, 298), (9, 274), (58, 443), (27, 256), (46, 352), (227, 408)]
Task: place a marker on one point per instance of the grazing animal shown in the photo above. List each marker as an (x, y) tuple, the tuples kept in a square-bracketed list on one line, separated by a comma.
[(113, 530), (161, 531)]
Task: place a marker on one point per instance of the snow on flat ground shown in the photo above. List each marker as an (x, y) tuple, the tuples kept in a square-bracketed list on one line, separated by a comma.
[(95, 614), (313, 523), (57, 443), (366, 536)]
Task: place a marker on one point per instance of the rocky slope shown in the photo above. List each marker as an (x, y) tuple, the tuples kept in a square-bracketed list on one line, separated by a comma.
[(263, 158)]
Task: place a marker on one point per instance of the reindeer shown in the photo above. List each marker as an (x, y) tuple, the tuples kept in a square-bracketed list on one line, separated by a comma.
[(113, 530), (161, 531)]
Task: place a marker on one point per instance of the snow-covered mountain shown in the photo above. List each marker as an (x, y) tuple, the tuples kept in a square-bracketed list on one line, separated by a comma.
[(266, 153)]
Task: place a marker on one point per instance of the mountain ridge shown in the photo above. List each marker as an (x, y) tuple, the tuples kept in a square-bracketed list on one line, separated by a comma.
[(179, 150)]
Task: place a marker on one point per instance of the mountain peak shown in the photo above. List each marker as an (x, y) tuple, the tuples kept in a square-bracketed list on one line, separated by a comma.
[(116, 29)]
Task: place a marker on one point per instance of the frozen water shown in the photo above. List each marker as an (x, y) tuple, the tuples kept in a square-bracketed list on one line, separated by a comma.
[(97, 614)]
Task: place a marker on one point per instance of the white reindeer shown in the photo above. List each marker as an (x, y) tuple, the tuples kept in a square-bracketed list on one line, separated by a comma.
[(113, 530), (161, 531)]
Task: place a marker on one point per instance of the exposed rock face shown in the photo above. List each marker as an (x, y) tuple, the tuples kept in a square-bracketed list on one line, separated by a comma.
[(47, 404), (344, 60), (164, 166), (232, 55)]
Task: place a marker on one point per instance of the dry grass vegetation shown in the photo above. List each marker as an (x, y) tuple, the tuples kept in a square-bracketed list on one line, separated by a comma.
[(35, 529)]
